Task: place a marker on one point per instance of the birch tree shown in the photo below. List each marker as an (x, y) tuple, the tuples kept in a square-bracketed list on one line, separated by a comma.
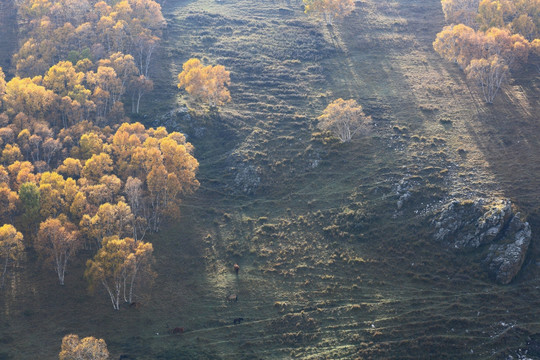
[(88, 348), (490, 74), (329, 9), (11, 248), (460, 11), (344, 118), (205, 83), (57, 241), (117, 266)]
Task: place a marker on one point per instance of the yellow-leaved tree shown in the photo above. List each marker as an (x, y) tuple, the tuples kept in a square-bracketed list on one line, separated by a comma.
[(205, 83), (344, 118), (118, 265), (329, 9), (58, 240), (490, 74), (486, 56), (11, 247), (88, 348)]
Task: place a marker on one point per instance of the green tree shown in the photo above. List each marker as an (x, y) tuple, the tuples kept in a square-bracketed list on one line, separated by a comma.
[(30, 202)]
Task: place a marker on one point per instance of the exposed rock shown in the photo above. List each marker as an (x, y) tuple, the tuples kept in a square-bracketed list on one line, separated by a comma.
[(402, 199), (506, 257), (245, 162), (403, 191), (247, 179), (468, 225), (533, 345), (172, 119)]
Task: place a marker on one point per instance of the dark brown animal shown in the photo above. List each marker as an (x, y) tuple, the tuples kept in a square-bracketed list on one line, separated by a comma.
[(135, 305), (177, 330), (232, 297), (238, 320), (125, 357)]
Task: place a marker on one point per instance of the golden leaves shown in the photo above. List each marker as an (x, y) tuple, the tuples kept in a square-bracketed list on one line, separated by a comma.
[(205, 83)]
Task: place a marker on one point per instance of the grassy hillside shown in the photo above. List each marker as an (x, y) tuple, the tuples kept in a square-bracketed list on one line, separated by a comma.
[(8, 29), (330, 267)]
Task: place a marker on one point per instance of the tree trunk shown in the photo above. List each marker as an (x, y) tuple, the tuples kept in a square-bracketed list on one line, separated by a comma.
[(132, 284), (4, 272), (114, 301), (139, 96)]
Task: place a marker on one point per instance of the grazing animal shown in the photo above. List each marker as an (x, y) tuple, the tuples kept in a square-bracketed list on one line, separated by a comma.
[(238, 320), (135, 305), (232, 297), (178, 330)]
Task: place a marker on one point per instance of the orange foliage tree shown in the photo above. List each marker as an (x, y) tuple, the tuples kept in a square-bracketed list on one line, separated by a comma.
[(58, 241), (2, 85), (117, 35), (88, 348), (118, 265), (493, 53), (205, 83), (11, 247), (489, 73)]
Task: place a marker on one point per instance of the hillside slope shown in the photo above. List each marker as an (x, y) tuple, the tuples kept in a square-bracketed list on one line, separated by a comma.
[(8, 29)]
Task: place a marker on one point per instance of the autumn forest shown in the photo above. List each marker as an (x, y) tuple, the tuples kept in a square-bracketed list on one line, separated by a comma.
[(230, 179)]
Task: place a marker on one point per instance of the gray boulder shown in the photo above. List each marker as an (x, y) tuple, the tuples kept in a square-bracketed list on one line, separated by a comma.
[(506, 257), (247, 178), (468, 225)]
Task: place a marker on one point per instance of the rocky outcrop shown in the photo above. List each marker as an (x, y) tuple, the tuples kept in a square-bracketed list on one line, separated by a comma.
[(247, 178), (506, 257), (403, 192), (468, 225)]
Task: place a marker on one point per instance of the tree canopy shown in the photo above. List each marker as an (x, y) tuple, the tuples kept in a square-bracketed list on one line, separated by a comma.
[(489, 38), (88, 348), (117, 266), (345, 119), (207, 84), (11, 248), (329, 9)]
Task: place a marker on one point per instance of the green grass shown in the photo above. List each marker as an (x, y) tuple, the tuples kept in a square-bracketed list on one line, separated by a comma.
[(330, 267)]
